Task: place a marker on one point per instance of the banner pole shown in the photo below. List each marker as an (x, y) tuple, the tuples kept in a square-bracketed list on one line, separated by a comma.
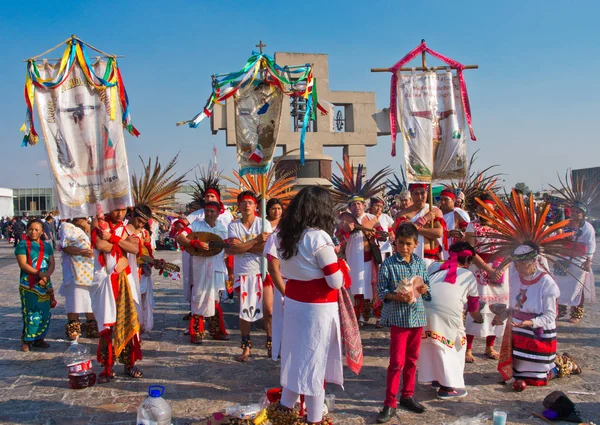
[(263, 216), (431, 223)]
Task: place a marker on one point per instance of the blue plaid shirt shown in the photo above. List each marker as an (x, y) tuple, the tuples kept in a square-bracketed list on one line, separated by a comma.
[(398, 313)]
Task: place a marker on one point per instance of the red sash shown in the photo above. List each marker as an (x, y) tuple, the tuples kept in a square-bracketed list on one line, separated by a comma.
[(33, 279), (314, 291)]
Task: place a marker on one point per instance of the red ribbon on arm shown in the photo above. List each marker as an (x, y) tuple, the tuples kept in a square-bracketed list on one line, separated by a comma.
[(33, 279), (445, 228), (94, 238), (346, 272)]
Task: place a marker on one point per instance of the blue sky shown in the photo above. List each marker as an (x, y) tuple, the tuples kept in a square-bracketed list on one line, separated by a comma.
[(535, 97)]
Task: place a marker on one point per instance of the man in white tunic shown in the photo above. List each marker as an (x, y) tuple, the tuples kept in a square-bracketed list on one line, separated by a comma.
[(142, 273), (208, 191), (575, 278), (247, 237), (429, 246), (207, 273), (456, 219), (115, 296), (78, 272), (444, 342)]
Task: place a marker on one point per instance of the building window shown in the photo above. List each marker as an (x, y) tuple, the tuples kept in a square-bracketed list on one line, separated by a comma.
[(342, 118), (298, 106)]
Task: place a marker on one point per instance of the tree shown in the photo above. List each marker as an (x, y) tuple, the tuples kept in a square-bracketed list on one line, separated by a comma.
[(523, 188)]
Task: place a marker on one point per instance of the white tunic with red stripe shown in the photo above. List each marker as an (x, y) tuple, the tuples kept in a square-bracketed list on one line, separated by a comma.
[(387, 223), (311, 347), (246, 269), (207, 274), (104, 303)]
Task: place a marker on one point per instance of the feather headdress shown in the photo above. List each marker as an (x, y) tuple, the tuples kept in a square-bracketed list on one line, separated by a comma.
[(156, 188), (209, 179), (280, 187), (578, 192), (398, 187), (350, 187), (475, 184), (518, 223)]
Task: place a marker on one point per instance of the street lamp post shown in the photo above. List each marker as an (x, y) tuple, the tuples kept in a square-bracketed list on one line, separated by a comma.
[(37, 179)]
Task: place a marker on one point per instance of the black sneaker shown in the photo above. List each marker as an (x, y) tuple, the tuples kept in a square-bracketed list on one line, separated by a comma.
[(435, 385), (413, 405), (386, 414), (451, 393)]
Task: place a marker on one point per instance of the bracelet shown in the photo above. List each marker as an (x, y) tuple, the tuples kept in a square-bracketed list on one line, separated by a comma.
[(114, 239)]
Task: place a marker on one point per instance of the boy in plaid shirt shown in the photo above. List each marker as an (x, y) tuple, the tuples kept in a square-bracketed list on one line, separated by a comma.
[(406, 319)]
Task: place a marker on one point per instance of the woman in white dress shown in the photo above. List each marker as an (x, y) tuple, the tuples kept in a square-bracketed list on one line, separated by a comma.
[(443, 346), (311, 347)]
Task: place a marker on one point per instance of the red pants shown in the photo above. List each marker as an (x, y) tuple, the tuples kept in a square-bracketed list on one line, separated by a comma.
[(404, 353)]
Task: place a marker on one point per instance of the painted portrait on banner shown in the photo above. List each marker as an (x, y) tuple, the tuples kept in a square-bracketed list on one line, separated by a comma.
[(83, 132), (432, 124), (257, 117)]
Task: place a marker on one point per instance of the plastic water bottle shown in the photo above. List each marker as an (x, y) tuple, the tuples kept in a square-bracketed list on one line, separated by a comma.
[(79, 366), (154, 410)]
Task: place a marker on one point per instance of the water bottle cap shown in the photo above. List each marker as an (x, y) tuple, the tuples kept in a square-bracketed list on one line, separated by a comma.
[(156, 390)]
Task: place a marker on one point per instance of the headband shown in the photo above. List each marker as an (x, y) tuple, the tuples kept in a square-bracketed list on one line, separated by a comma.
[(489, 202), (356, 198), (249, 197), (580, 206), (452, 265), (414, 186), (214, 192), (139, 213), (213, 206), (525, 253), (448, 193)]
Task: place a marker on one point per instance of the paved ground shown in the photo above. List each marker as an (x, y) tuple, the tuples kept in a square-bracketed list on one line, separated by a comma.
[(202, 380)]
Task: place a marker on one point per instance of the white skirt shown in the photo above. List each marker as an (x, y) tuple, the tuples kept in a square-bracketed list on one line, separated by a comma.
[(361, 281), (445, 365), (147, 303), (311, 348), (277, 327), (484, 329), (77, 298), (571, 289)]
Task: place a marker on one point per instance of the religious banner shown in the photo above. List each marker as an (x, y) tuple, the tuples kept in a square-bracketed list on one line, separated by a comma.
[(257, 118), (429, 111), (432, 124), (258, 90), (82, 108)]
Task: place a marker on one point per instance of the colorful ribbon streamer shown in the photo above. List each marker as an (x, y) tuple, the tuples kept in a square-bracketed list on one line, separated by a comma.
[(264, 68), (74, 53), (394, 89)]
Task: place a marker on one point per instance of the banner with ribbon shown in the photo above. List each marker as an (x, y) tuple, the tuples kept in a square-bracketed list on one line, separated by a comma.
[(395, 70), (81, 112), (432, 124), (257, 119), (261, 69)]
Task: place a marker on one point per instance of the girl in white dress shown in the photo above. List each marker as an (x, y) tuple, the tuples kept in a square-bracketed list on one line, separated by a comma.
[(311, 347)]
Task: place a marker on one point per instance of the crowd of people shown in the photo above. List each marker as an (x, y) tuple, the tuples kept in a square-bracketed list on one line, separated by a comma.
[(438, 277)]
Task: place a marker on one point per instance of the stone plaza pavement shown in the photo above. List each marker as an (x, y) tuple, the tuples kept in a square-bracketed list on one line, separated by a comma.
[(203, 379)]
